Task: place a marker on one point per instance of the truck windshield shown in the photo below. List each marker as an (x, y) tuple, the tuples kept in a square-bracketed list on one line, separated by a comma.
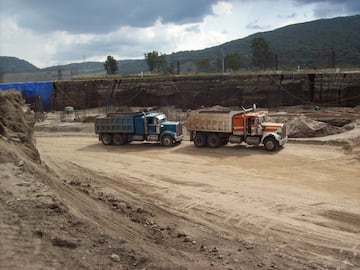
[(161, 118), (261, 119)]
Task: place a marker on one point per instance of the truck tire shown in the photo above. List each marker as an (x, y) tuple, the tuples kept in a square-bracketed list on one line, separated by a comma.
[(213, 140), (167, 140), (106, 139), (271, 144), (119, 139), (200, 140)]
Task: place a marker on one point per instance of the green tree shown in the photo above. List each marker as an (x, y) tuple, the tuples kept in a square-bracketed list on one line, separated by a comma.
[(162, 65), (110, 65), (151, 59), (261, 52), (204, 64), (156, 62), (232, 61)]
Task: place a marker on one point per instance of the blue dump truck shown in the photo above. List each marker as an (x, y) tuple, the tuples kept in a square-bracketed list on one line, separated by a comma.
[(145, 126)]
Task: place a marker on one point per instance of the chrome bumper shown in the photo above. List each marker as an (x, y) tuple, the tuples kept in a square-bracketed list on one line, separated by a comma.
[(282, 141), (179, 138)]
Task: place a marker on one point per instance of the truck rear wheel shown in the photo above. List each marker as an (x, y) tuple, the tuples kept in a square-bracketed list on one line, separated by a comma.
[(106, 139), (200, 140), (213, 140), (271, 144), (119, 139), (167, 140)]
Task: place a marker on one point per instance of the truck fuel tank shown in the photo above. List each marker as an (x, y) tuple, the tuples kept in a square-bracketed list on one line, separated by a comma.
[(253, 140), (235, 139)]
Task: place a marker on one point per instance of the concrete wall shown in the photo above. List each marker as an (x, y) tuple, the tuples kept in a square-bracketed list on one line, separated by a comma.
[(266, 90)]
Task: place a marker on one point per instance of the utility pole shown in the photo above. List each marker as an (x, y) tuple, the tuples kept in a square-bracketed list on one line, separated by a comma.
[(333, 58), (222, 61)]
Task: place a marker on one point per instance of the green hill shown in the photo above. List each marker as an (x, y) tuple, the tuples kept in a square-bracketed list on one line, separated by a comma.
[(310, 45), (10, 64)]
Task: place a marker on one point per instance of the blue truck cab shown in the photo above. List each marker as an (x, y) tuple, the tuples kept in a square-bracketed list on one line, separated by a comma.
[(122, 128)]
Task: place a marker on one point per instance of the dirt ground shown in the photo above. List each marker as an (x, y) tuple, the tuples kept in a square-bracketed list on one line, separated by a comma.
[(69, 202)]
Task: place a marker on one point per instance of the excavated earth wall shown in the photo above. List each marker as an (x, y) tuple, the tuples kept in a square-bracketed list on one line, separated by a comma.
[(266, 90)]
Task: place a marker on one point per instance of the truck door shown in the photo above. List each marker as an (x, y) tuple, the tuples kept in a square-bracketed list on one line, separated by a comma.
[(251, 129), (238, 124), (153, 125)]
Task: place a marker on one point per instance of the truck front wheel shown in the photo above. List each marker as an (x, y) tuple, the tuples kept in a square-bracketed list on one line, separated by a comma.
[(106, 139), (271, 144), (200, 140), (213, 140), (167, 140)]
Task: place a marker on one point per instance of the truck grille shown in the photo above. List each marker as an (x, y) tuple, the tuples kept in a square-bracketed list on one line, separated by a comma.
[(179, 130)]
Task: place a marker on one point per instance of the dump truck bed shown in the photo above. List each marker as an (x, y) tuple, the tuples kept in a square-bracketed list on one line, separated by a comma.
[(211, 121), (115, 124)]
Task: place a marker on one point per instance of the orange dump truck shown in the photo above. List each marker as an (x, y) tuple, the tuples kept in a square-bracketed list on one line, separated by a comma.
[(216, 128)]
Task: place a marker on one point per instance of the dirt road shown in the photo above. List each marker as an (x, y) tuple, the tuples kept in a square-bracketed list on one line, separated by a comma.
[(234, 207)]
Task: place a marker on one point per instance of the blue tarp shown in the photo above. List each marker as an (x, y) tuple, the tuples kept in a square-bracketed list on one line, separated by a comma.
[(32, 89)]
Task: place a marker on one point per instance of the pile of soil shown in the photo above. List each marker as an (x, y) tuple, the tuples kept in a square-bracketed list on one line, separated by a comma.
[(303, 127), (16, 127)]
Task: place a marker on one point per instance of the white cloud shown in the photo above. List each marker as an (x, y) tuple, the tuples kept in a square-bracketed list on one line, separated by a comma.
[(22, 43), (222, 8)]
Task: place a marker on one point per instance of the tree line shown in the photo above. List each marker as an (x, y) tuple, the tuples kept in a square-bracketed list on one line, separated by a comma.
[(157, 63)]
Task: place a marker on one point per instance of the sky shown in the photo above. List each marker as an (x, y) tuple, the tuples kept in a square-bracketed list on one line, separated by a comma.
[(57, 32)]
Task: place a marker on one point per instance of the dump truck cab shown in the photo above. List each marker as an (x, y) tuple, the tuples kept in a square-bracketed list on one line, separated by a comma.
[(158, 128), (254, 129), (250, 123)]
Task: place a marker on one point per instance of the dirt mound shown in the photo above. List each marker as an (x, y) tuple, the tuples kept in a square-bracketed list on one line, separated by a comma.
[(303, 127), (17, 126)]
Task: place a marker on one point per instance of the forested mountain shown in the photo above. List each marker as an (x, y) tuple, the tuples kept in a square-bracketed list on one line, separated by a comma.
[(313, 44), (10, 64), (318, 44)]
